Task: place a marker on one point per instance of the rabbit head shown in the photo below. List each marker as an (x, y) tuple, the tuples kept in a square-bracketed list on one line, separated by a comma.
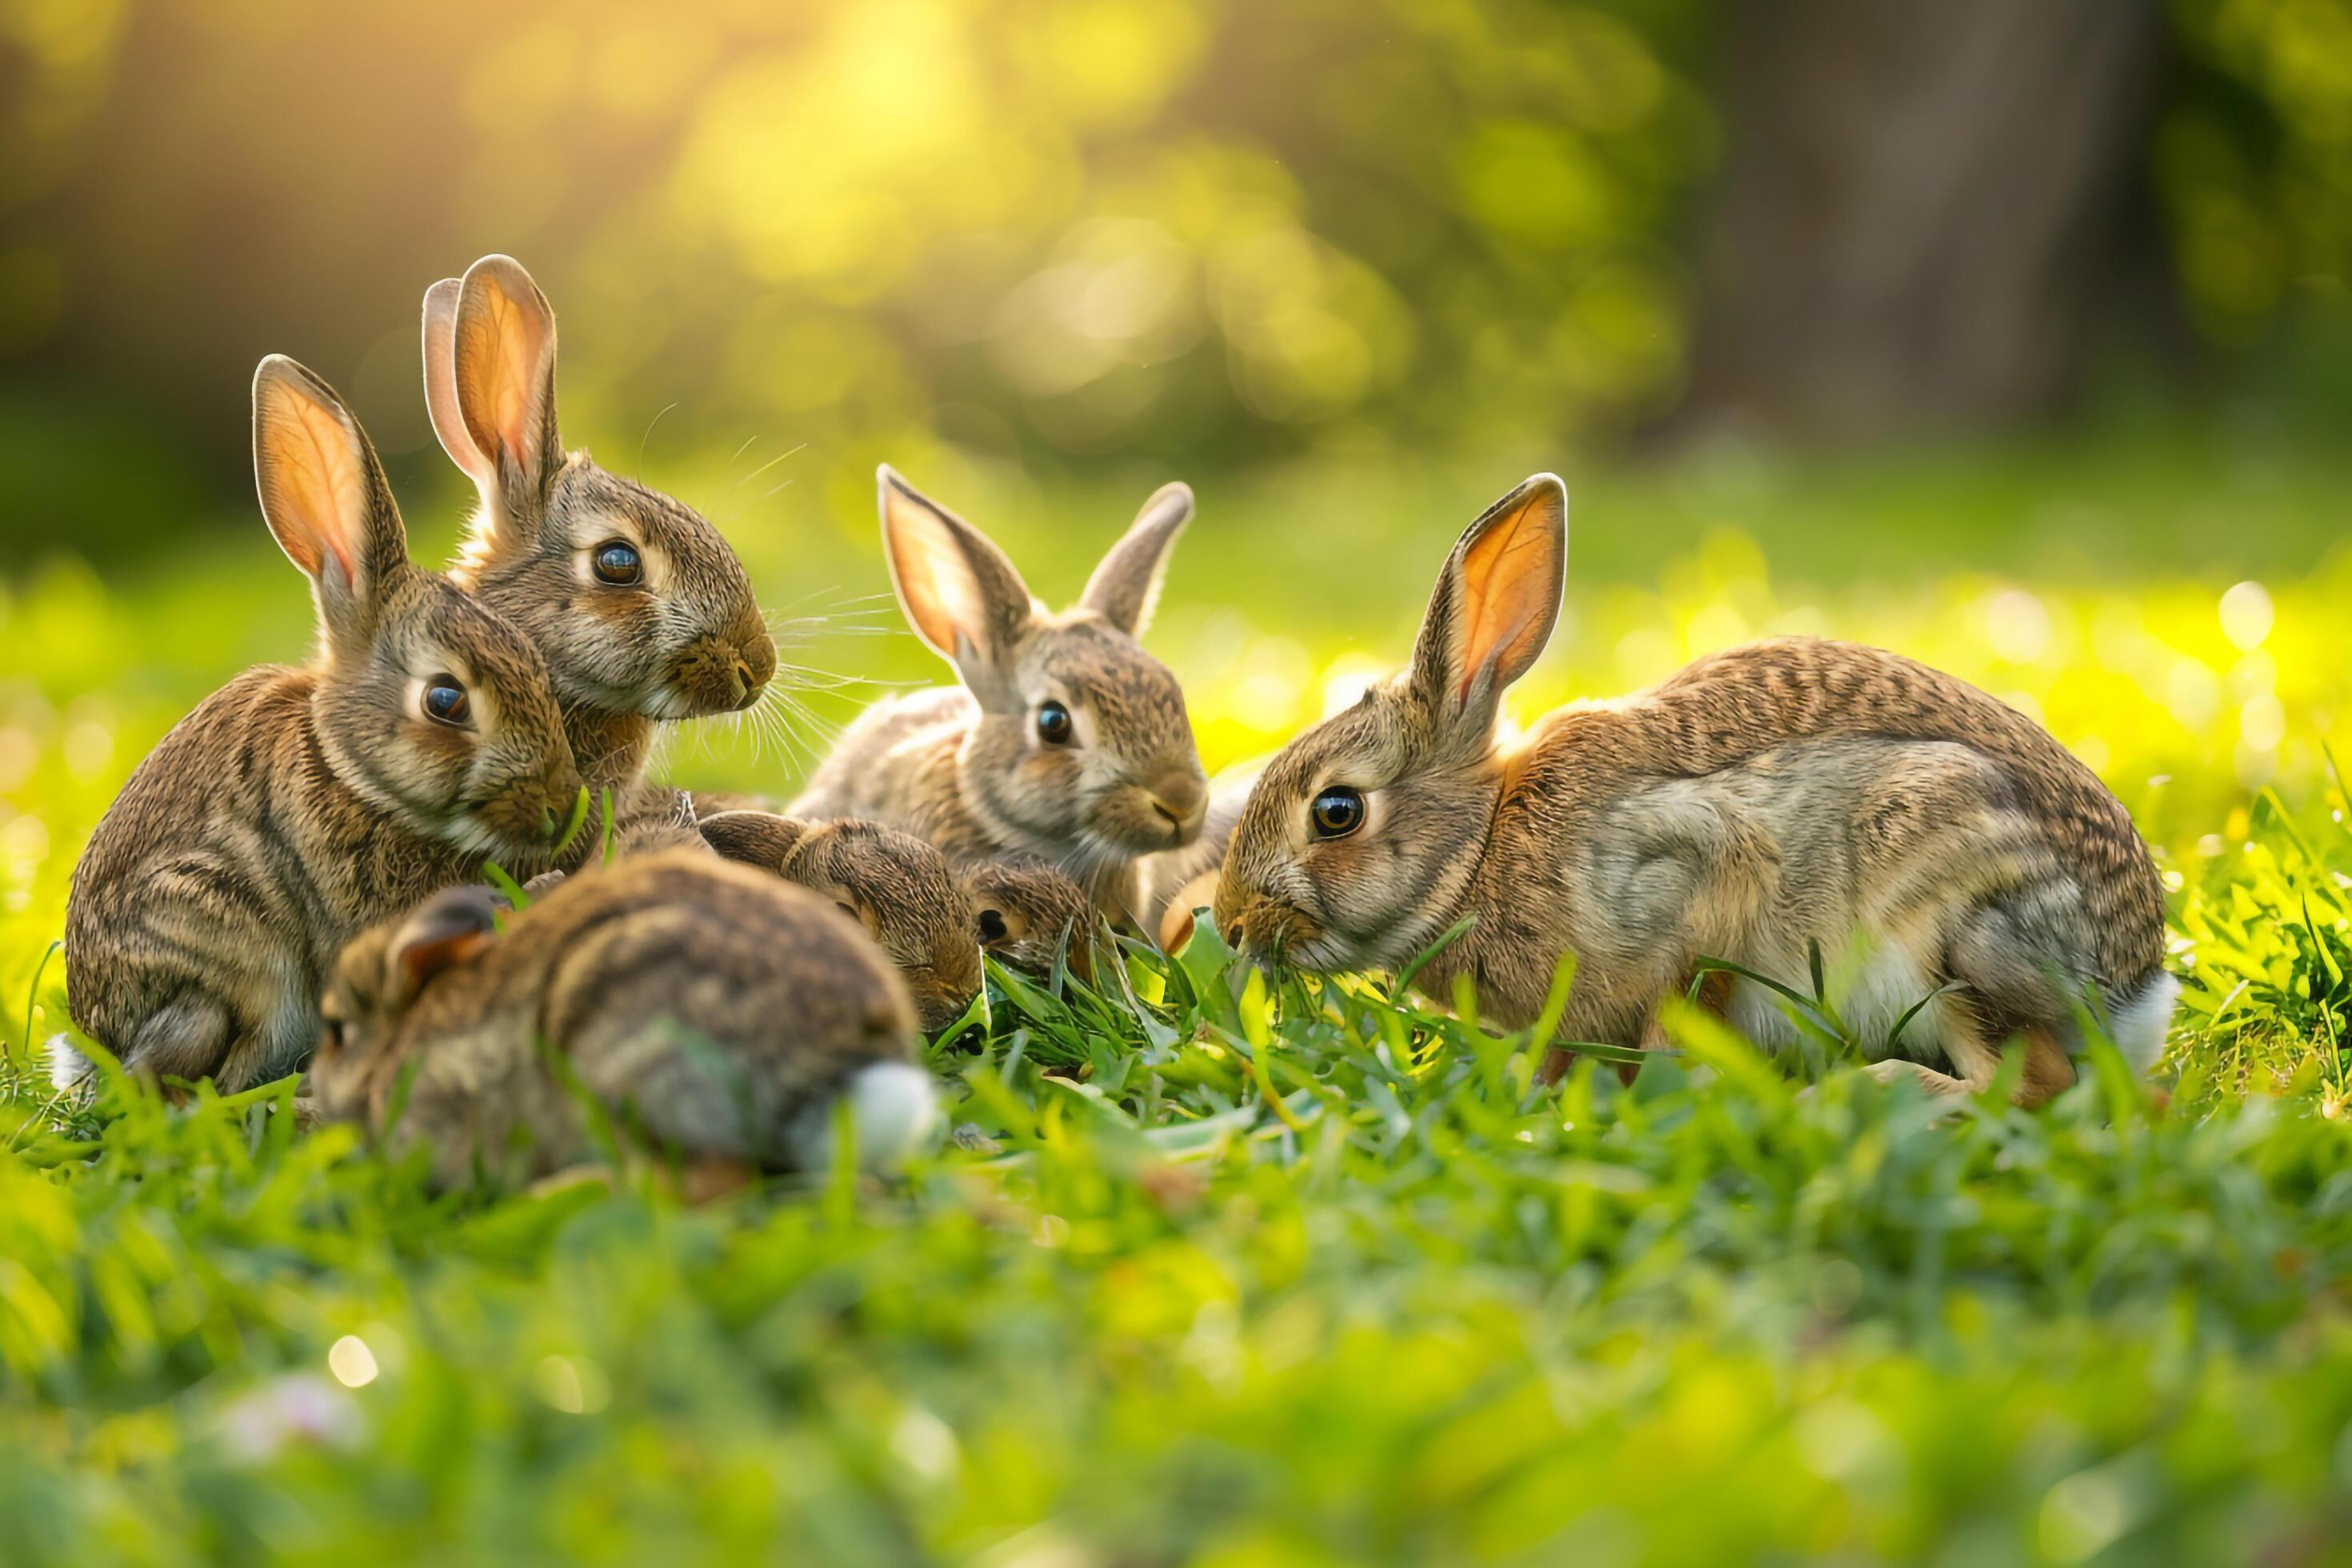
[(639, 604), (1027, 914), (893, 884), (375, 979), (1364, 831), (428, 704), (1081, 751)]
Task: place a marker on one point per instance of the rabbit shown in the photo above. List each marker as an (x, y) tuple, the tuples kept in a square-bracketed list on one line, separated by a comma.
[(717, 1007), (294, 806), (1065, 741), (1031, 914), (893, 884), (642, 609), (1930, 840)]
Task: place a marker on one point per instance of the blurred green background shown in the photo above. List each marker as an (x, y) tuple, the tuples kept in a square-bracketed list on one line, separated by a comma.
[(1838, 315)]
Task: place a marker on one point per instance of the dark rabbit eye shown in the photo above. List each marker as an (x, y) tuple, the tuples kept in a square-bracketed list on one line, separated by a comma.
[(992, 926), (446, 699), (617, 562), (1054, 723), (1338, 812)]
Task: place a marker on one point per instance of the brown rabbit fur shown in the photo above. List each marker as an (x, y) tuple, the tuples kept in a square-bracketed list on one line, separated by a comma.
[(1066, 742), (294, 806), (716, 1007), (1928, 837), (1027, 914), (895, 885), (642, 609)]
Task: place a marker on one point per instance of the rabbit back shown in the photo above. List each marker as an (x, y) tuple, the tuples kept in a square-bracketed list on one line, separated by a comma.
[(1731, 706)]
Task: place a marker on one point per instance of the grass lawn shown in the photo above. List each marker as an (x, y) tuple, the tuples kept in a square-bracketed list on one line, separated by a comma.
[(1311, 1277)]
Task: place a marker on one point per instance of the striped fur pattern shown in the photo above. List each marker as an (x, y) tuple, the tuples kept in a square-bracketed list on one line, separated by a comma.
[(986, 770), (295, 806), (716, 1007), (894, 885), (1762, 803), (680, 637)]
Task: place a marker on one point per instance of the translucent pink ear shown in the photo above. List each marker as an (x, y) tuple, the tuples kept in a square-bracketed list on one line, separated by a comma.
[(324, 497), (503, 379), (441, 383), (448, 929), (959, 593), (1126, 585), (1496, 600)]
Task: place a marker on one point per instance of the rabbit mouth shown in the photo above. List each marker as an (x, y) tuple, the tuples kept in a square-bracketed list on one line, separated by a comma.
[(713, 676), (1282, 933)]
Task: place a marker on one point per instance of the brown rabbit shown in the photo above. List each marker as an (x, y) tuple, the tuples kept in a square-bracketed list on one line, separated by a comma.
[(294, 806), (721, 1009), (1929, 839), (641, 608), (893, 884), (1027, 914), (1066, 742)]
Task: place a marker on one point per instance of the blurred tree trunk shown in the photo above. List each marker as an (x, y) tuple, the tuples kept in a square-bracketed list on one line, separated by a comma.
[(1923, 201)]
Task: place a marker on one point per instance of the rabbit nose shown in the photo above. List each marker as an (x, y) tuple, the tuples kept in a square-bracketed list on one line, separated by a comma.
[(757, 662), (1178, 797), (747, 684)]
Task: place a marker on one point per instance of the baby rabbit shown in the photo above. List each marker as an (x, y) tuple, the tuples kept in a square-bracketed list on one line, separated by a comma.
[(1028, 913), (1066, 742), (294, 806), (721, 1010), (642, 610), (893, 884), (1930, 840)]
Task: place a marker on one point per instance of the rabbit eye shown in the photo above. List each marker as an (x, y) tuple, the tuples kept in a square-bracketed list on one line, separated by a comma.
[(1338, 812), (1054, 725), (992, 926), (337, 1034), (444, 700), (618, 563)]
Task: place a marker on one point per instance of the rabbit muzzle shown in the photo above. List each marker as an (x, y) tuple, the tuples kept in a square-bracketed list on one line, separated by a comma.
[(1164, 814), (528, 814), (1267, 930), (721, 675)]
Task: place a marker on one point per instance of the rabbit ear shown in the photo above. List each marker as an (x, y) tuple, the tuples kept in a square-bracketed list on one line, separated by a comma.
[(1495, 604), (502, 379), (959, 593), (325, 498), (758, 838), (446, 930), (441, 383), (1125, 587)]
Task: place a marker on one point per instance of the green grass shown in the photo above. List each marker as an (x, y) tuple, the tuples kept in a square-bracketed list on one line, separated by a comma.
[(1313, 1278)]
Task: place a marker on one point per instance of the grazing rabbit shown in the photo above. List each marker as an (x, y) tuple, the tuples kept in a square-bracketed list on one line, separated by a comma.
[(294, 806), (892, 883), (1066, 742), (1928, 839), (1027, 914), (642, 611), (720, 1009)]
